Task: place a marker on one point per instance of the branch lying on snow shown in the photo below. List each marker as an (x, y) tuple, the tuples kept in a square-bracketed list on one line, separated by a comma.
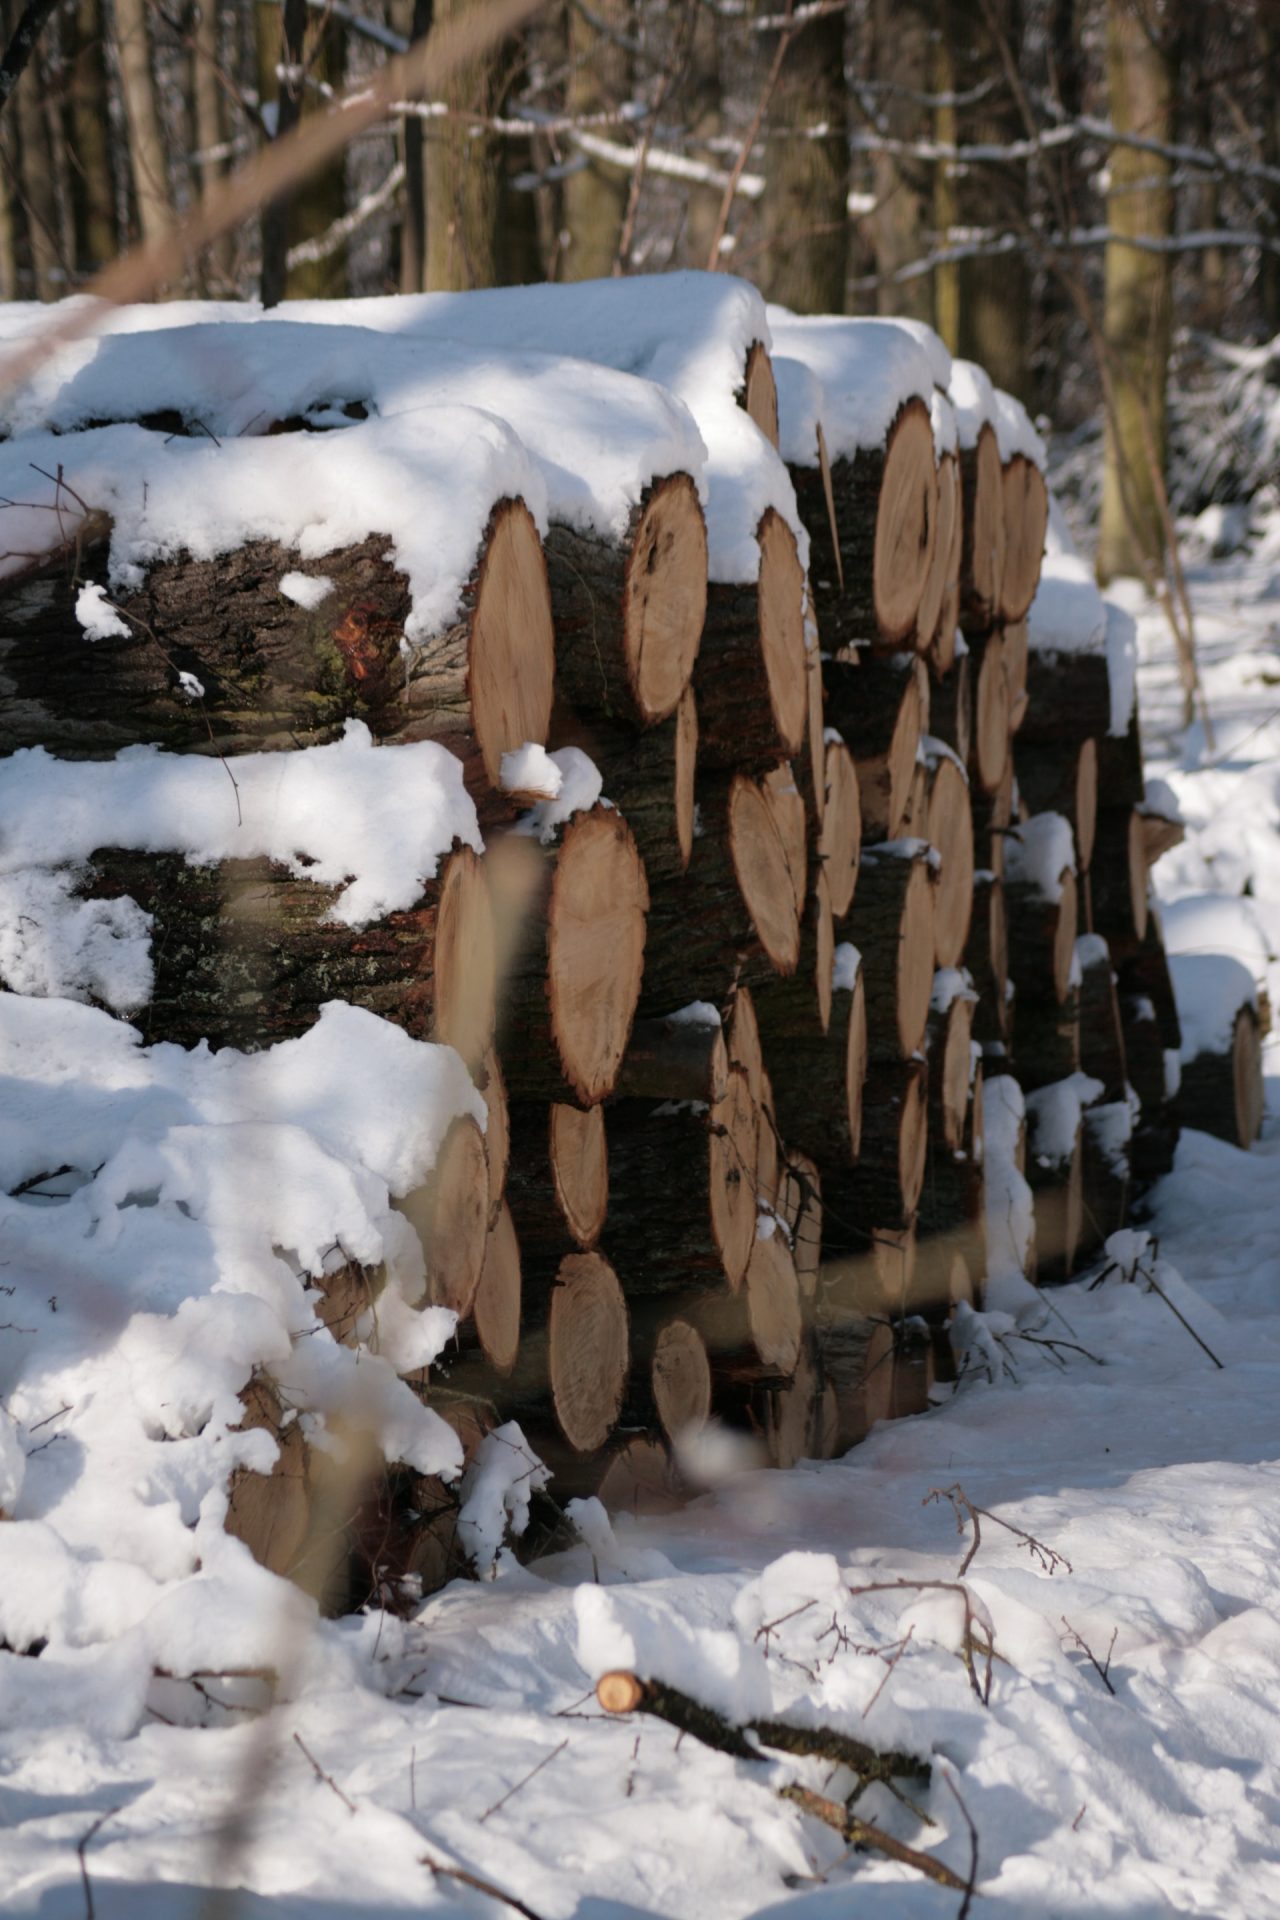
[(861, 1833), (621, 1692), (961, 1505)]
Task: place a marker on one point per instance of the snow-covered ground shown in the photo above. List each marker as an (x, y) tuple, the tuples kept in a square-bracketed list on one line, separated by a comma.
[(1127, 1760)]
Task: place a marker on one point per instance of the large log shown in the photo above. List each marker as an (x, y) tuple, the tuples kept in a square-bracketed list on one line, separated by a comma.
[(680, 1058), (883, 1190), (949, 1053), (450, 1215), (934, 634), (989, 746), (885, 502), (273, 673), (817, 1082), (648, 776), (758, 394), (558, 1175), (245, 955), (1222, 1092), (571, 937), (881, 711), (892, 926), (838, 841), (1041, 905), (798, 1005), (753, 1334), (750, 675), (856, 1352), (629, 611)]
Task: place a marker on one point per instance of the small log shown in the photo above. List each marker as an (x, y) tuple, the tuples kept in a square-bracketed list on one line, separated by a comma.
[(1118, 879), (857, 1358), (496, 1307), (817, 1085), (1042, 929), (245, 954), (450, 1214), (883, 1189), (733, 916), (758, 395), (951, 832), (640, 1479), (648, 776), (629, 611), (989, 748), (1222, 1093), (1062, 777), (678, 1058), (886, 515), (750, 676), (571, 933), (838, 841), (682, 1190), (951, 707), (558, 1177), (994, 819), (790, 1415), (670, 1387), (982, 552), (1026, 521), (1102, 1050), (951, 1219), (278, 675), (944, 562), (881, 710), (892, 926)]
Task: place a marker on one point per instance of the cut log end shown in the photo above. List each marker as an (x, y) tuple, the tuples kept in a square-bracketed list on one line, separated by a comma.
[(681, 1377), (734, 1148), (913, 1139), (951, 831), (450, 1214), (619, 1692), (840, 839), (465, 959), (497, 1302), (984, 531), (745, 1050), (1086, 809), (762, 864), (665, 596), (782, 643), (580, 1169), (787, 805), (588, 1349), (595, 949), (991, 717), (954, 1073), (760, 391), (916, 943), (1064, 939), (929, 613), (906, 524), (686, 759), (497, 1133), (512, 644), (774, 1310), (1026, 520)]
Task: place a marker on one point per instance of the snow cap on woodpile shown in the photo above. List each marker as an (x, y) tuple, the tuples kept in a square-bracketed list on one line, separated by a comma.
[(1069, 615), (689, 332), (974, 400), (861, 372), (1210, 989), (429, 482), (1039, 852), (598, 438), (1016, 433)]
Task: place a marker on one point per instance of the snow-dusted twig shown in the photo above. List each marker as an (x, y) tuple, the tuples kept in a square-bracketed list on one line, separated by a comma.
[(81, 1848), (336, 236), (1139, 1270), (511, 1792), (478, 1885), (326, 1779), (861, 1833), (971, 1647), (1101, 1667), (972, 1883), (961, 1505)]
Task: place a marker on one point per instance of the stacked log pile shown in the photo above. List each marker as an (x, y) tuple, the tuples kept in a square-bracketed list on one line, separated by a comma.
[(841, 850)]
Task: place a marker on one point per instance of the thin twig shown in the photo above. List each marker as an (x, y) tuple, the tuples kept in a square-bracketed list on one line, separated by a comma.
[(481, 1886), (744, 151), (326, 1778), (972, 1882), (545, 1761), (1103, 1668), (81, 1846)]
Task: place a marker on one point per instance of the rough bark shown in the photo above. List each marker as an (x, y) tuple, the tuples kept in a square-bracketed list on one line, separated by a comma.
[(804, 220), (892, 927), (883, 1189), (982, 549), (750, 673), (595, 193), (881, 711), (462, 173), (1069, 699), (817, 1083)]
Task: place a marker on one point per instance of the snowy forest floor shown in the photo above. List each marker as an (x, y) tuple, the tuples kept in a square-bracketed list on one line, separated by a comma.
[(1127, 1761)]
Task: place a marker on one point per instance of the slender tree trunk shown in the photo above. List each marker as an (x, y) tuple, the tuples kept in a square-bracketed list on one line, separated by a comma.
[(704, 117), (211, 129), (804, 211), (8, 219), (298, 51), (93, 193), (995, 295), (946, 200), (1268, 15), (147, 155), (1136, 317), (595, 195), (462, 175), (519, 241), (36, 188), (413, 18), (904, 39)]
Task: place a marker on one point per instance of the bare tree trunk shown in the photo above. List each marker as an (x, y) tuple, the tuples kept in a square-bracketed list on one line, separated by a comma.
[(804, 212), (704, 118), (995, 295), (35, 188), (1136, 317), (93, 195), (519, 241), (462, 176), (1269, 268), (299, 52), (413, 18), (211, 129), (946, 199), (146, 137), (8, 219), (904, 41), (595, 195)]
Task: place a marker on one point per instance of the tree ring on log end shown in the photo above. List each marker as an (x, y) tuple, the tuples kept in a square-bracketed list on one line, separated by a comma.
[(681, 1376), (840, 840), (913, 1136), (1025, 500), (915, 958), (951, 831), (760, 391), (734, 1147), (1086, 803), (1064, 936), (665, 596), (465, 959), (451, 1216), (955, 1072), (774, 1312), (588, 1349), (686, 763), (595, 949), (781, 617), (511, 655), (793, 830), (991, 716), (745, 1050), (906, 523), (825, 943), (985, 530), (497, 1133), (763, 872), (945, 558), (497, 1302), (580, 1169), (855, 1064)]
